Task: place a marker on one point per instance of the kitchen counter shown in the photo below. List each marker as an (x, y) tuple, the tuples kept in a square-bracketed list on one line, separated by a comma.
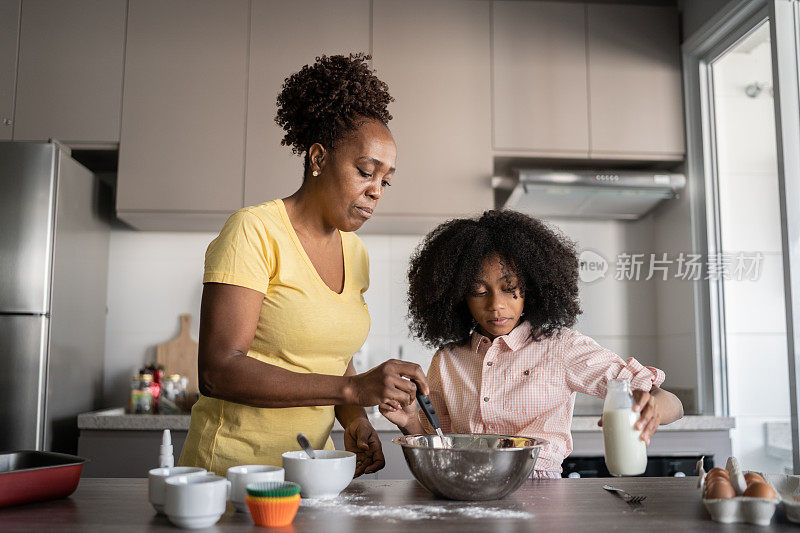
[(106, 435), (672, 504), (117, 419)]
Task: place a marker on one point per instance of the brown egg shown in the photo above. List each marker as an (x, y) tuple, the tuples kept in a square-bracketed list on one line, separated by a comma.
[(757, 489), (709, 483), (714, 478), (714, 472), (751, 477), (720, 489)]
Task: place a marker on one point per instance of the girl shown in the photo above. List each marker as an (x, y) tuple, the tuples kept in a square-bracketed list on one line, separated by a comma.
[(499, 294)]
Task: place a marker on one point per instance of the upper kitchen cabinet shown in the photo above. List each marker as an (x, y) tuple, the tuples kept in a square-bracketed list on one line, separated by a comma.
[(635, 105), (284, 36), (435, 57), (69, 85), (540, 93), (9, 30), (181, 160)]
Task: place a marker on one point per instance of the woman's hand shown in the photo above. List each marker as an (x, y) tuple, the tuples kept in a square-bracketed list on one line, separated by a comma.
[(362, 439), (386, 385)]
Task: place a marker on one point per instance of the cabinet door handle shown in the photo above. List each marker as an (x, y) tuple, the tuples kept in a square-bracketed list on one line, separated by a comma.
[(7, 122)]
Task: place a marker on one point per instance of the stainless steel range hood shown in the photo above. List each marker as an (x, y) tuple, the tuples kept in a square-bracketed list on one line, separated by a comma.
[(624, 194)]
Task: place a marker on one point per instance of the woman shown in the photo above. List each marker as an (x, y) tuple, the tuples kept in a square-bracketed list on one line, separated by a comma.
[(283, 310)]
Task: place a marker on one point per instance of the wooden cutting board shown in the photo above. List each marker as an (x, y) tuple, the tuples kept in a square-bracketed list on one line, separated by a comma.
[(179, 356)]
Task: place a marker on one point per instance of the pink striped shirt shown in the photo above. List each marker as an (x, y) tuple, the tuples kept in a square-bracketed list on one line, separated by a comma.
[(514, 386)]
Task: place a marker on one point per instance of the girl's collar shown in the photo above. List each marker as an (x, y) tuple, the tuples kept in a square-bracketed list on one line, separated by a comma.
[(515, 339)]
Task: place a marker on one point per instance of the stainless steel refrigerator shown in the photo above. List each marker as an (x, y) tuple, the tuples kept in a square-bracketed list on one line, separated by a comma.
[(53, 275)]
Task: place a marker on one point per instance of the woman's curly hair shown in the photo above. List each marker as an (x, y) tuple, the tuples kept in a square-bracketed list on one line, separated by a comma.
[(446, 264), (323, 101)]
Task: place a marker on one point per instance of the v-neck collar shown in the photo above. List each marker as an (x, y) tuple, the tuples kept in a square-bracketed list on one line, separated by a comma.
[(296, 240)]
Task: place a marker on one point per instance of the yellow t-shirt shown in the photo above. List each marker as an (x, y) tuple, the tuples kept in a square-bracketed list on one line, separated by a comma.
[(304, 326)]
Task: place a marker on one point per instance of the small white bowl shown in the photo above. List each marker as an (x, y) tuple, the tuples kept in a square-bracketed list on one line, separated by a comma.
[(194, 502), (323, 477), (243, 475), (156, 483)]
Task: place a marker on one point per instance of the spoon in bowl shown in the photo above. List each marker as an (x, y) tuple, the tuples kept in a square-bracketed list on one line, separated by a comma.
[(302, 440), (430, 413)]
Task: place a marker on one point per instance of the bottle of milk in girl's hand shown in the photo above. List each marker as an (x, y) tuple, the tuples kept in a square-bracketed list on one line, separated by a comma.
[(626, 453)]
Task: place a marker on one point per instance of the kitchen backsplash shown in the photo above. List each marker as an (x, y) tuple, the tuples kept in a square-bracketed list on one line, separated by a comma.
[(155, 276)]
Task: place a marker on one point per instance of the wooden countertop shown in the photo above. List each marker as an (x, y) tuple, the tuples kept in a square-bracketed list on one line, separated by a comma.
[(672, 504)]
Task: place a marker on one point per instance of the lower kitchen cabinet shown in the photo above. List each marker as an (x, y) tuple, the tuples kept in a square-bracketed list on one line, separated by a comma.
[(116, 452), (131, 453), (123, 453)]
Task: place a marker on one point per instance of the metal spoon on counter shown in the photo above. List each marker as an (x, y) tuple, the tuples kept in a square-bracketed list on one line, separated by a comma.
[(302, 440)]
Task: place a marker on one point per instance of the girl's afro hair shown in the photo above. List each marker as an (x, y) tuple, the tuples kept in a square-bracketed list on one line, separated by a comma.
[(446, 264)]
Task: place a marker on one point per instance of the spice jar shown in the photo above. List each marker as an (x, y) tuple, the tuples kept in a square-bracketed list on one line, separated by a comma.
[(141, 401)]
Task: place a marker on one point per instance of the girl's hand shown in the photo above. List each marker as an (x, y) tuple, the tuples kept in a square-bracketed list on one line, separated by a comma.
[(401, 418), (362, 439), (650, 418)]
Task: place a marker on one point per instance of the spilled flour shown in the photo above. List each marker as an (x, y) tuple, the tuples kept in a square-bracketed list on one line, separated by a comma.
[(353, 505)]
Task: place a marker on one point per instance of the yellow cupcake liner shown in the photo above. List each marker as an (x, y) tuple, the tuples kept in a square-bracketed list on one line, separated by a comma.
[(261, 499), (273, 512)]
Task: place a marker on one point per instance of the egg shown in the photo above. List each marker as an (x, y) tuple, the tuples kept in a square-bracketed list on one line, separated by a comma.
[(750, 477), (714, 472), (757, 489), (709, 483), (719, 489)]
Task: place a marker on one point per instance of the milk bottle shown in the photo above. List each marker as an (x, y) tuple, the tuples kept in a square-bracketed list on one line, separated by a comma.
[(626, 453)]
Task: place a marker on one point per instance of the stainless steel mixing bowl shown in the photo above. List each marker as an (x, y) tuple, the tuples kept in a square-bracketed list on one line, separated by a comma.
[(470, 466)]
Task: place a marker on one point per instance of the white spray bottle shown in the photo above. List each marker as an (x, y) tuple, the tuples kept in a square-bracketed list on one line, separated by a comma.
[(165, 457)]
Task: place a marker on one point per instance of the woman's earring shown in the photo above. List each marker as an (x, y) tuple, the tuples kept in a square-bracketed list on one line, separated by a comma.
[(315, 173)]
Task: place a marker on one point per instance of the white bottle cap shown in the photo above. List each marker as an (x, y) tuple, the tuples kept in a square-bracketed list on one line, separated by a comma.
[(165, 457)]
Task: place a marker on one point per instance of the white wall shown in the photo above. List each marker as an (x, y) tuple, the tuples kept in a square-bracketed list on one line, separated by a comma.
[(155, 276), (675, 324), (386, 299), (152, 278), (619, 314)]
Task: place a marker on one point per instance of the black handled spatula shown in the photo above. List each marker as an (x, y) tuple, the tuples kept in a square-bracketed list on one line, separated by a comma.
[(430, 412)]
